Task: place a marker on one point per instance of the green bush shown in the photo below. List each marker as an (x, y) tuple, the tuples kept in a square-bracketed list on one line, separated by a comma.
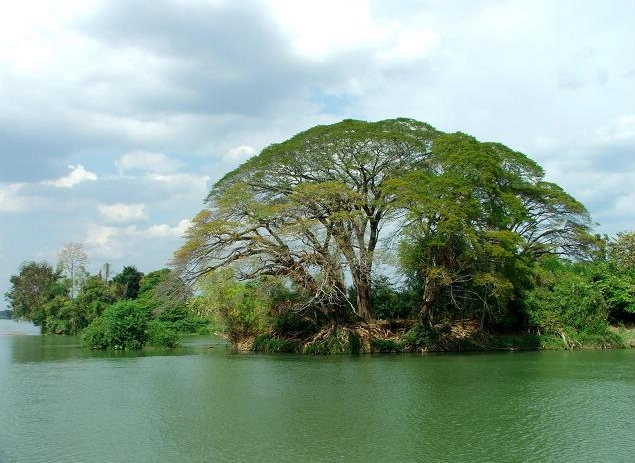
[(123, 326), (161, 334), (605, 340), (292, 323), (186, 324), (266, 343), (565, 300), (390, 303), (384, 345), (192, 325), (237, 310), (127, 325), (342, 341), (421, 337), (96, 335)]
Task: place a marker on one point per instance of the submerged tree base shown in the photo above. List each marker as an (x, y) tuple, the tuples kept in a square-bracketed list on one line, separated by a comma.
[(410, 336)]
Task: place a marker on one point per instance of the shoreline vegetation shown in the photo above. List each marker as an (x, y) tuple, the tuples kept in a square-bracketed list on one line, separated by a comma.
[(462, 336), (387, 236)]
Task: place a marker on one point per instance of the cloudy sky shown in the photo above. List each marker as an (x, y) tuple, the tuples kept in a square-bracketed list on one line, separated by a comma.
[(116, 116)]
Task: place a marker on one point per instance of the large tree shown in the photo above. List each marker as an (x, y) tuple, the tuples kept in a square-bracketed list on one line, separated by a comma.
[(310, 209), (479, 216), (32, 289), (72, 261), (472, 216), (127, 282)]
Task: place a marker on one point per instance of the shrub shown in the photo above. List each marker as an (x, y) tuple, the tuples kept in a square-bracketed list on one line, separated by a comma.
[(123, 325), (292, 323), (161, 334), (390, 303), (384, 345), (422, 338), (268, 344), (342, 341), (566, 301), (127, 325), (237, 310)]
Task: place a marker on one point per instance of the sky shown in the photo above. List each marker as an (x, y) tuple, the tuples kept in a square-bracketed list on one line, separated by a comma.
[(117, 116)]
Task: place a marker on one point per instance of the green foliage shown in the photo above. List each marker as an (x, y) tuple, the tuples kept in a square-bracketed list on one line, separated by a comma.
[(94, 297), (122, 326), (566, 301), (35, 285), (127, 325), (43, 297), (421, 337), (61, 317), (128, 282), (238, 311), (340, 341), (269, 344), (626, 335), (390, 303), (621, 250), (479, 215), (186, 323), (385, 345), (615, 277), (150, 282), (166, 297), (617, 287), (161, 334), (292, 323)]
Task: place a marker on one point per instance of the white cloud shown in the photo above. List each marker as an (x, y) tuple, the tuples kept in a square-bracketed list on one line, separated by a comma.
[(164, 230), (320, 29), (123, 212), (130, 242), (77, 175), (413, 43), (30, 30), (621, 128), (100, 241), (240, 153), (10, 200), (147, 161)]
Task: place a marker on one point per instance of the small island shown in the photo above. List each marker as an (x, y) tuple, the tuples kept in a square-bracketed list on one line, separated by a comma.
[(361, 237)]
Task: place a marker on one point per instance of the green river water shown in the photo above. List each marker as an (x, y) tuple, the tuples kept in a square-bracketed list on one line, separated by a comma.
[(201, 403)]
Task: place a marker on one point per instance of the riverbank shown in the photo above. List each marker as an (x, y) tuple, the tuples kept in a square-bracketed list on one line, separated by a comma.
[(460, 336)]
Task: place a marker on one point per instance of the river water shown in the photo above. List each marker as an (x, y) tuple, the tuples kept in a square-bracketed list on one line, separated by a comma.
[(201, 403)]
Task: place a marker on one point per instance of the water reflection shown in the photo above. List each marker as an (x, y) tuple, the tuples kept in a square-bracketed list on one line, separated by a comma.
[(201, 403), (51, 348), (17, 328)]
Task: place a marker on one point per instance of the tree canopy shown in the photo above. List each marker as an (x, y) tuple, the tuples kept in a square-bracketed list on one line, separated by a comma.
[(309, 209), (127, 313), (471, 216), (72, 262), (478, 216), (32, 289)]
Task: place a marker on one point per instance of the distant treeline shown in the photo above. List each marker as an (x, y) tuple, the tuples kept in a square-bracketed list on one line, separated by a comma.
[(127, 312)]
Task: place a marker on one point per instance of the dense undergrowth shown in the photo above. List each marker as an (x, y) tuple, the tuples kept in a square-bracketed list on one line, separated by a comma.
[(462, 336)]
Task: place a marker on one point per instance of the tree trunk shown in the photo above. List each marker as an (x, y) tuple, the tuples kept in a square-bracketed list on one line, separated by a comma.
[(364, 298), (429, 296)]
